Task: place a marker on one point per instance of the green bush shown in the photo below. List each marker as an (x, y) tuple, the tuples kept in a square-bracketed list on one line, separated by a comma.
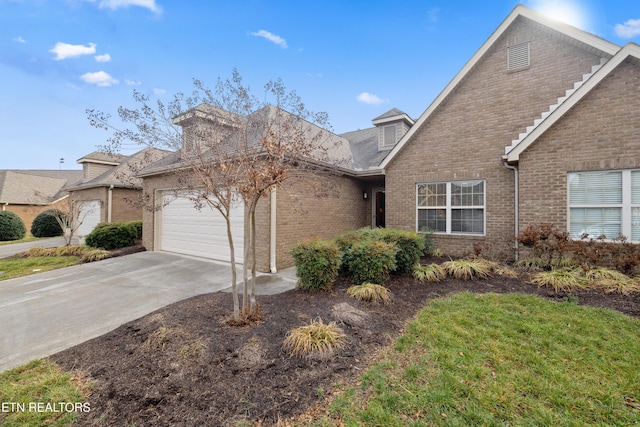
[(112, 236), (372, 261), (317, 263), (136, 228), (11, 226), (46, 224), (411, 246)]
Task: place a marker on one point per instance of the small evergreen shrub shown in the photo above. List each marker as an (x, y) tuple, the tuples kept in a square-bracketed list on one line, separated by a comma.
[(46, 224), (136, 228), (372, 261), (411, 246), (317, 263), (111, 236), (11, 226)]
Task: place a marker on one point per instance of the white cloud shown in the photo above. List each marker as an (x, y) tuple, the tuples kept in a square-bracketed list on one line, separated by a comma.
[(629, 29), (64, 50), (103, 58), (132, 82), (371, 99), (116, 4), (271, 37), (99, 78), (159, 92), (19, 39)]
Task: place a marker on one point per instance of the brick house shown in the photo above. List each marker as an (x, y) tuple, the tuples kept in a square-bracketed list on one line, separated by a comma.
[(108, 190), (289, 214), (28, 193), (541, 125)]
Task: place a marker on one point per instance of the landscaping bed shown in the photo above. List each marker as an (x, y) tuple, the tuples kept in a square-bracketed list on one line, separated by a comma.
[(184, 365)]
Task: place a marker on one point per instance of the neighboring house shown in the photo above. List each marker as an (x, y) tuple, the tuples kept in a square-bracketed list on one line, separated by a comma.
[(541, 125), (27, 193), (108, 190)]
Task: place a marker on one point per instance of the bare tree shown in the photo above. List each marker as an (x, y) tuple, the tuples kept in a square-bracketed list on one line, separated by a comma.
[(228, 147)]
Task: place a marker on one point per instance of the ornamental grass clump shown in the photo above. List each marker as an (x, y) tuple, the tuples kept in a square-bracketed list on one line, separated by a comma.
[(317, 340), (467, 269), (560, 280), (611, 281), (429, 273), (370, 292)]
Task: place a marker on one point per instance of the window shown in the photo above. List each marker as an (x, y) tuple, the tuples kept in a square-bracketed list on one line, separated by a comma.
[(389, 136), (451, 207), (605, 203), (518, 56)]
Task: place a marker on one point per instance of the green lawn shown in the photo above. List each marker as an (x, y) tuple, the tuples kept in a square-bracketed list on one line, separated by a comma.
[(502, 360), (17, 267), (26, 239), (25, 391)]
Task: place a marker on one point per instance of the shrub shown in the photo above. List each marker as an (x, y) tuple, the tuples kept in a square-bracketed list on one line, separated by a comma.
[(546, 242), (317, 263), (370, 292), (411, 245), (468, 269), (559, 280), (46, 224), (136, 228), (619, 254), (428, 273), (316, 340), (372, 261), (11, 226), (111, 236)]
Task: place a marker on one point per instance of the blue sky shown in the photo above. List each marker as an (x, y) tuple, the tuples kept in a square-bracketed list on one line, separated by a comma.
[(353, 59)]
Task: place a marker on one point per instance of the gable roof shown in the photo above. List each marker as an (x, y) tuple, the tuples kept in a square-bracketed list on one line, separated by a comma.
[(103, 158), (35, 187), (630, 50), (122, 175), (391, 116), (586, 40)]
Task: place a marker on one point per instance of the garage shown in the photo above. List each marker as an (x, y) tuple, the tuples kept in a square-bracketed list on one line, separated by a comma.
[(90, 217), (203, 233)]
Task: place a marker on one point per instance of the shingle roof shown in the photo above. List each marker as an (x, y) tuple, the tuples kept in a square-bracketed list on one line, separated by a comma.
[(364, 148), (122, 175), (101, 157), (35, 187)]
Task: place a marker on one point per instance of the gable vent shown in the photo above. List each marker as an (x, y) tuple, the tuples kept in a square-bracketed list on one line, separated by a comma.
[(518, 56)]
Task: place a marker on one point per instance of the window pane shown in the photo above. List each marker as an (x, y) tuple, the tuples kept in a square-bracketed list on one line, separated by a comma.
[(595, 188), (595, 222), (389, 135), (432, 219), (467, 220), (467, 193), (635, 224), (432, 195), (635, 187)]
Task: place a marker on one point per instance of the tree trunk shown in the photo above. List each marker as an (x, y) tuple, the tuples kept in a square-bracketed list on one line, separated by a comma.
[(234, 287), (252, 213)]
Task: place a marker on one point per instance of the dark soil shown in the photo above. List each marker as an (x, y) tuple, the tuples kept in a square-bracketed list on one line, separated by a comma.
[(184, 365)]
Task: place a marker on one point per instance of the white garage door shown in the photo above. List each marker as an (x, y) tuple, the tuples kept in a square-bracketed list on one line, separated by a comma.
[(90, 217), (187, 230)]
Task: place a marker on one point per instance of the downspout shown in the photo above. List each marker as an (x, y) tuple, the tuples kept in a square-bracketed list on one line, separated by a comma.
[(4, 207), (272, 233), (109, 204), (516, 189)]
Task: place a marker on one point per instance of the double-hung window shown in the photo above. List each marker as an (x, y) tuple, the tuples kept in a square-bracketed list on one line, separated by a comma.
[(456, 207), (605, 203)]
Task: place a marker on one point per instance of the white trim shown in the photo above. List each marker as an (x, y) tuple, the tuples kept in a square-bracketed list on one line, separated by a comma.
[(630, 49), (399, 117), (595, 42), (272, 232)]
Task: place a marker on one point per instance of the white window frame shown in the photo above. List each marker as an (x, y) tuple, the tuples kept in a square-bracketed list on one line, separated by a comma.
[(626, 207), (449, 208), (385, 143)]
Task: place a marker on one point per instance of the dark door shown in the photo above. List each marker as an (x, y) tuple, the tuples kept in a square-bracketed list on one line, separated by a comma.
[(379, 207)]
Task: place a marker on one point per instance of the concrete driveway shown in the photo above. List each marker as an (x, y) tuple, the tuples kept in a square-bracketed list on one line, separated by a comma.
[(49, 312)]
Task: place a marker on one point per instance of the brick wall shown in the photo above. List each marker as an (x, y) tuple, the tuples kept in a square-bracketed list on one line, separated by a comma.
[(97, 193), (465, 136), (601, 132), (29, 212), (126, 205)]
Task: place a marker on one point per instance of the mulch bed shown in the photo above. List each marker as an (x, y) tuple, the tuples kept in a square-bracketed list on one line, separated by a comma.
[(183, 365)]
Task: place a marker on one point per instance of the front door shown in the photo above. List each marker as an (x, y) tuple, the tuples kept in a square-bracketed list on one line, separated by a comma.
[(378, 208)]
